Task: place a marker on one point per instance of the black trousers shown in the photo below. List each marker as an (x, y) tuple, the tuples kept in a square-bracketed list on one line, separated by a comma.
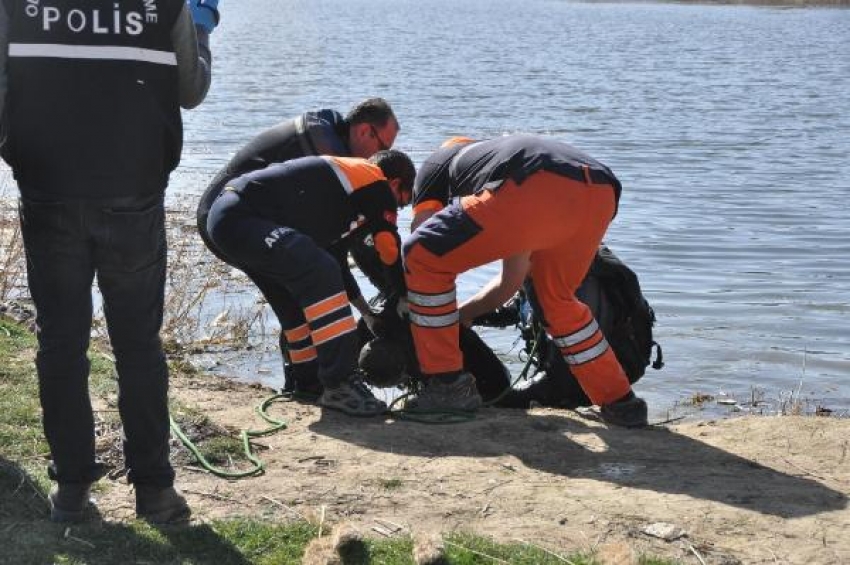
[(122, 242), (292, 272)]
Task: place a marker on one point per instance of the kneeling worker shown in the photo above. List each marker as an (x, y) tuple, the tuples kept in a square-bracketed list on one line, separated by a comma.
[(291, 223), (542, 207)]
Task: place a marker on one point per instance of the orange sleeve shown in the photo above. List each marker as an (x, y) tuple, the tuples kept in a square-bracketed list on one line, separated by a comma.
[(387, 247), (433, 205)]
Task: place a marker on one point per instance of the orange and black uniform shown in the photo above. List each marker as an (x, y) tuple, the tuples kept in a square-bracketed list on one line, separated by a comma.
[(290, 223), (496, 199)]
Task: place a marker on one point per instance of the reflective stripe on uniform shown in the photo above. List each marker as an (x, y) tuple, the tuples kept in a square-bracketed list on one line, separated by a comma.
[(297, 334), (442, 321), (326, 306), (577, 337), (334, 330), (431, 300), (106, 52), (588, 354), (303, 355)]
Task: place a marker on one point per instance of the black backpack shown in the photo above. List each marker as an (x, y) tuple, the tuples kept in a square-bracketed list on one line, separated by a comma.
[(612, 291)]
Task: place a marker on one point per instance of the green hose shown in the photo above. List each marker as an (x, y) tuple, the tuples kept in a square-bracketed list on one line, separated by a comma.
[(245, 435)]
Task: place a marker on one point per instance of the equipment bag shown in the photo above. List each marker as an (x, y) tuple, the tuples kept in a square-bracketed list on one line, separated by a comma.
[(612, 291)]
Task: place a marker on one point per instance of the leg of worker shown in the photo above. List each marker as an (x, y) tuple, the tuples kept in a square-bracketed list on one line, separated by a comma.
[(292, 260), (313, 278), (557, 272), (483, 228), (430, 279), (131, 261), (300, 359), (60, 274)]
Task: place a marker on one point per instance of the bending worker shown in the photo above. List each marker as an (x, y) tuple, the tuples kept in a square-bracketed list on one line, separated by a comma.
[(369, 127), (289, 225), (543, 208)]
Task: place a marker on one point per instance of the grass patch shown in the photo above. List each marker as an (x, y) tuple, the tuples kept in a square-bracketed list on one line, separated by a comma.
[(222, 449), (21, 436), (391, 484)]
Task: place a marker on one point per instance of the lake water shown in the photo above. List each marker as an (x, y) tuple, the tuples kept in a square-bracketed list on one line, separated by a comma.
[(729, 127)]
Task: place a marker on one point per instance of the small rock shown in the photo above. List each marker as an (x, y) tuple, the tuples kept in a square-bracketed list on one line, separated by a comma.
[(665, 531), (429, 550)]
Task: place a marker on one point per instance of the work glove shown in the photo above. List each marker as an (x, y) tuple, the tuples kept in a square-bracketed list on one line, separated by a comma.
[(402, 310), (204, 13)]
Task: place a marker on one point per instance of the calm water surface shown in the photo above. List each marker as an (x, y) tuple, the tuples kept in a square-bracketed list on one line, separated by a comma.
[(728, 126)]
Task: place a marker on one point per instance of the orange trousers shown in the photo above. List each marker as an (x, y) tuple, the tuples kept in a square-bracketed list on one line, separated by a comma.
[(561, 222)]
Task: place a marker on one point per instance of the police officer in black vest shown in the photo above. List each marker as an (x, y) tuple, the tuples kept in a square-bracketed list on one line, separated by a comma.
[(91, 92)]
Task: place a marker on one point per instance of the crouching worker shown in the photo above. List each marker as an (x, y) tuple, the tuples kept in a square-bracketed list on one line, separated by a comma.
[(542, 207), (369, 127), (290, 223)]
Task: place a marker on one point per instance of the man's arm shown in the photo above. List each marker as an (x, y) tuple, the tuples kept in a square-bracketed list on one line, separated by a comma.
[(499, 290), (194, 59)]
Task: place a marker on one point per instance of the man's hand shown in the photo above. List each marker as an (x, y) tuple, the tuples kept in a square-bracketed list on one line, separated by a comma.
[(204, 13), (402, 310)]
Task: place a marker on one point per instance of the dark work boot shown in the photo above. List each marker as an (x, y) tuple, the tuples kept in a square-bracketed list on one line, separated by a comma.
[(69, 502), (441, 393), (353, 397), (628, 412), (161, 505), (302, 381), (309, 388)]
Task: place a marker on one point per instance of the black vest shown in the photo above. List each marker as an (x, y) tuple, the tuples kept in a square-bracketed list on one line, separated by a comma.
[(92, 108)]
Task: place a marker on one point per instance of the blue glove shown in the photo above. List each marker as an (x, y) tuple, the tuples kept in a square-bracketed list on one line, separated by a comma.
[(204, 13)]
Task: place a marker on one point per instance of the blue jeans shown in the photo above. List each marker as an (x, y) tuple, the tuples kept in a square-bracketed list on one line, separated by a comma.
[(122, 242)]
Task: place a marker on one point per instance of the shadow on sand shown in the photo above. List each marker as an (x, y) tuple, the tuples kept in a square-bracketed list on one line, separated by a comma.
[(655, 458)]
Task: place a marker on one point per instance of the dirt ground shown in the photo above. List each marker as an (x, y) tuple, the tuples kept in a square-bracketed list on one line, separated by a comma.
[(745, 490)]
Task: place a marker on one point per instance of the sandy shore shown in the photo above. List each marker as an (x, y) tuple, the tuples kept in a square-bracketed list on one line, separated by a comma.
[(743, 490)]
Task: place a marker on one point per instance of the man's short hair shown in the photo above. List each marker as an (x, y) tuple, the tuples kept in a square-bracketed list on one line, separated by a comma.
[(374, 111), (396, 165)]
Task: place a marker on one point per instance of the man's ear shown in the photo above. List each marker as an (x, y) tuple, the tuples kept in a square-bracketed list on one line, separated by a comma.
[(360, 130), (394, 184)]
